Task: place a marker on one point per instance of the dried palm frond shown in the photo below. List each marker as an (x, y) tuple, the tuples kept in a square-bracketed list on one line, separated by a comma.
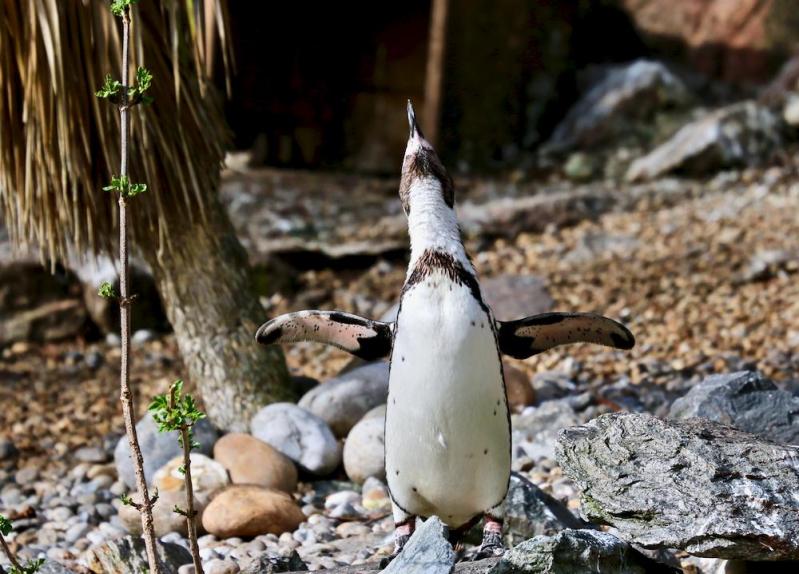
[(59, 144)]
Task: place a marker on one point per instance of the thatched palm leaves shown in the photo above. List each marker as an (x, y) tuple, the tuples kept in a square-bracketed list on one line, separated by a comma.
[(58, 148)]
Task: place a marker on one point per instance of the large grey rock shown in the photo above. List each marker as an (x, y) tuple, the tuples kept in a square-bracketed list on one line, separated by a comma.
[(573, 551), (741, 134), (694, 485), (745, 400), (630, 91), (158, 448), (529, 511), (300, 435), (127, 556), (427, 552), (341, 402), (364, 449)]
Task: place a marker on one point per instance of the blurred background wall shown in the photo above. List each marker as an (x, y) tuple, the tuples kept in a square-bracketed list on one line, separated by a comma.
[(323, 84)]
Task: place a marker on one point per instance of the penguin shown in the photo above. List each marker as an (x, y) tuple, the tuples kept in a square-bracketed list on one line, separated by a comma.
[(447, 426)]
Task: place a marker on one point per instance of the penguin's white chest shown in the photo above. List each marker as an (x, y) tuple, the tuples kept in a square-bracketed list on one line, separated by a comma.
[(447, 433)]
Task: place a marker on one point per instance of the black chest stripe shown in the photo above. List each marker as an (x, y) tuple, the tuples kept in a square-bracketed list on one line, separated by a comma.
[(453, 269)]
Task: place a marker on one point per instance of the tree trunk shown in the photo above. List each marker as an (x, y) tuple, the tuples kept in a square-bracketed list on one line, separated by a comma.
[(205, 285)]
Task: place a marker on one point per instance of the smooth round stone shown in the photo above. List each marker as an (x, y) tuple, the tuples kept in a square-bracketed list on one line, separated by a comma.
[(91, 454), (343, 401), (375, 496), (165, 520), (245, 510), (158, 448), (341, 497), (252, 461), (207, 475), (364, 450), (217, 566), (300, 435)]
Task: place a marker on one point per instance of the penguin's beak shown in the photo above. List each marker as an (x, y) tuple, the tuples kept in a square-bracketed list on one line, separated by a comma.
[(415, 131)]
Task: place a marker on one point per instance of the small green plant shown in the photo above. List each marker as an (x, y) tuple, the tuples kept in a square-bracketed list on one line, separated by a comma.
[(124, 187), (176, 412), (119, 7), (31, 566), (112, 89), (106, 290)]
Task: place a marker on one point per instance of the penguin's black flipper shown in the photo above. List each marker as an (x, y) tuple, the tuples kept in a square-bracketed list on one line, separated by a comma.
[(364, 338), (532, 335)]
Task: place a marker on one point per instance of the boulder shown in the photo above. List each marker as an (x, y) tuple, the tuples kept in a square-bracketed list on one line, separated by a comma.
[(631, 91), (300, 435), (364, 449), (572, 551), (207, 475), (694, 485), (341, 402), (246, 510), (741, 134), (252, 461), (158, 448), (529, 511), (127, 556), (427, 552), (746, 400)]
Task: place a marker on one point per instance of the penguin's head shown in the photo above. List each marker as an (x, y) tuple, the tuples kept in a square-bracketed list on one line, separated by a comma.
[(422, 171)]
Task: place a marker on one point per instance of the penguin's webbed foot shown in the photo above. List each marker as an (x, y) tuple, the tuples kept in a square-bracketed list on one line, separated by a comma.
[(491, 547)]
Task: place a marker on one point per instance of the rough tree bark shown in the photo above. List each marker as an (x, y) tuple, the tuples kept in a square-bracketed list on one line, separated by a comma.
[(205, 284)]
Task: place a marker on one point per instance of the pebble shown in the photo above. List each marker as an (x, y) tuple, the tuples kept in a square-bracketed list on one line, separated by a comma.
[(25, 476), (7, 449), (91, 454)]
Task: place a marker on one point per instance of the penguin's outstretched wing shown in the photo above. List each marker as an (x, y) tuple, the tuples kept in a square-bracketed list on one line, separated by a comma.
[(363, 338), (532, 335)]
